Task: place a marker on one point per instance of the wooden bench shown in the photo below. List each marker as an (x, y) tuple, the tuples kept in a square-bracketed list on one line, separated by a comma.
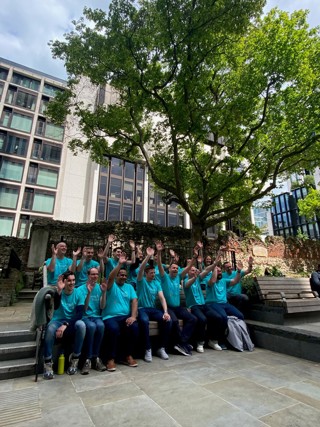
[(294, 295)]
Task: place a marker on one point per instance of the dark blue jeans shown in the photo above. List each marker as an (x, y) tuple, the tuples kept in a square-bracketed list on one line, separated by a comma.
[(94, 336), (206, 317), (224, 310), (150, 313), (76, 329), (189, 323), (116, 326)]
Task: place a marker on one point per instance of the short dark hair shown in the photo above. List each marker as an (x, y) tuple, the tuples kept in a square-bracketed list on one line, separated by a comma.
[(67, 273), (148, 268), (118, 247)]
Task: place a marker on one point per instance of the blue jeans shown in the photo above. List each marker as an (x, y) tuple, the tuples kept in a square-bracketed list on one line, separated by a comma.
[(206, 317), (76, 328), (224, 310), (116, 326), (94, 336), (189, 322), (150, 313)]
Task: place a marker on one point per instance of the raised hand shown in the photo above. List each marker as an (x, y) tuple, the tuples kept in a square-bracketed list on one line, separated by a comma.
[(200, 259), (172, 253), (111, 238), (150, 251), (54, 250), (239, 265), (100, 253), (132, 245), (199, 244), (77, 252), (60, 283), (123, 258), (104, 284)]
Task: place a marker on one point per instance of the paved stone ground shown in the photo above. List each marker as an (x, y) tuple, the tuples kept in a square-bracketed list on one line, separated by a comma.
[(225, 388)]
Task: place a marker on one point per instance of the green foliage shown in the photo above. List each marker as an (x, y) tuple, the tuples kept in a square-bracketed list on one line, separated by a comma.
[(217, 101), (248, 282), (310, 205)]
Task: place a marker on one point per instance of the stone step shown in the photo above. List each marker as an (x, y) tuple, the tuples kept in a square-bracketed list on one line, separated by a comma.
[(27, 295), (17, 368), (17, 350), (16, 336)]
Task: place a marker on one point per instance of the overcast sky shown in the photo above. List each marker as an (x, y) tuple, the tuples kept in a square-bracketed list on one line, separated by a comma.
[(26, 26)]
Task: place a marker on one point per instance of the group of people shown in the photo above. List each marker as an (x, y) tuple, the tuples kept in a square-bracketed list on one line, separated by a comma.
[(105, 306)]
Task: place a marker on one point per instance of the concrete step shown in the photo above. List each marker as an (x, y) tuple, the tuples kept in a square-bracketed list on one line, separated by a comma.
[(17, 368), (16, 336), (19, 350), (27, 295)]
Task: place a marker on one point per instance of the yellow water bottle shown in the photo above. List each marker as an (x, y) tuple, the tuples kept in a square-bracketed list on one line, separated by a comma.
[(61, 364)]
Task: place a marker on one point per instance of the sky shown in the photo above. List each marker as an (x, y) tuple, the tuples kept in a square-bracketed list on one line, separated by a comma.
[(26, 27)]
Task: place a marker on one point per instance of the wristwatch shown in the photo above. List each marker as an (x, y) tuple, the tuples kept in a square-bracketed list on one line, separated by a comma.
[(66, 323)]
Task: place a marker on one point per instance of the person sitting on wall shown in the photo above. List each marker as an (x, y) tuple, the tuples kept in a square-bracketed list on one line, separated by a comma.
[(315, 280), (66, 322), (59, 263), (93, 321), (216, 298), (234, 293), (119, 305), (148, 289)]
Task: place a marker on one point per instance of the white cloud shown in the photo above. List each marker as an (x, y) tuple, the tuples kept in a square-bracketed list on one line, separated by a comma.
[(26, 27)]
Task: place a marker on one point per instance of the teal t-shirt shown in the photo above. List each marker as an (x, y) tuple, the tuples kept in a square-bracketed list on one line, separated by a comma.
[(206, 278), (62, 265), (82, 276), (68, 305), (194, 295), (147, 292), (171, 289), (237, 288), (119, 301), (217, 292), (93, 309)]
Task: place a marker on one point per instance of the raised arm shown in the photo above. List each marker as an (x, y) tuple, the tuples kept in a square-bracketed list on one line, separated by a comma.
[(110, 239), (213, 278), (150, 253), (115, 271), (75, 254), (191, 281), (52, 264), (250, 266), (160, 248), (133, 252), (84, 254), (238, 275), (190, 263)]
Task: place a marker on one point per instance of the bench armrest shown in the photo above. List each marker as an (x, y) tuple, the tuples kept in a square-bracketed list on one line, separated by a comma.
[(278, 293)]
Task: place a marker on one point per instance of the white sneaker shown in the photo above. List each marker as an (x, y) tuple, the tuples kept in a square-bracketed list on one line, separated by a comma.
[(200, 348), (162, 354), (148, 356), (214, 344)]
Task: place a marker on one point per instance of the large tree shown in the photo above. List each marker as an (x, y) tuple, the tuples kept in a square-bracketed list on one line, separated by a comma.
[(217, 99)]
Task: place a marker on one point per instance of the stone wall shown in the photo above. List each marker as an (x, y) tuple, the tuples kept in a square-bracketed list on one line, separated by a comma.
[(9, 286)]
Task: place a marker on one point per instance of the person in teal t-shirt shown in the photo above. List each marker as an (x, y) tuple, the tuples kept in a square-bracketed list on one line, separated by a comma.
[(59, 263), (119, 305), (84, 264)]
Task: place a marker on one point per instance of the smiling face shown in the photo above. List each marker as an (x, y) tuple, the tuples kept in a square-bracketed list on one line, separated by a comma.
[(227, 267), (122, 277), (93, 275), (89, 253), (62, 249), (207, 260), (173, 270), (117, 253), (69, 283), (150, 274), (192, 272)]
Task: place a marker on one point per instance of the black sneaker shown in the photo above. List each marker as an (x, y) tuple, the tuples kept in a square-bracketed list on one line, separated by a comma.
[(98, 365), (182, 349)]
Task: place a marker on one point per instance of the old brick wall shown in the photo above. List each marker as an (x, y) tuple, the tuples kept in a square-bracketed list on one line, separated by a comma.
[(8, 287)]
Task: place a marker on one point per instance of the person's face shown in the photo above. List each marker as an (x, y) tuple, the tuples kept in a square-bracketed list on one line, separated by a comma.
[(228, 268), (117, 253), (93, 275), (69, 283), (89, 253), (173, 270), (192, 271), (208, 261), (150, 274), (62, 248), (219, 273), (122, 277)]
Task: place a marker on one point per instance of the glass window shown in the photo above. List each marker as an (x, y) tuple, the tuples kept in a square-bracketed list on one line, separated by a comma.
[(128, 191), (115, 188), (101, 214), (152, 196), (24, 81), (27, 199), (11, 170), (139, 192), (103, 185), (54, 131), (3, 73), (32, 173), (47, 152), (47, 177), (151, 216), (24, 227), (16, 121), (161, 218), (43, 203), (12, 144), (114, 211), (6, 225), (43, 105), (21, 99), (138, 216), (129, 170), (127, 212), (51, 90), (140, 173), (116, 166), (8, 197), (172, 219), (1, 89), (5, 117)]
